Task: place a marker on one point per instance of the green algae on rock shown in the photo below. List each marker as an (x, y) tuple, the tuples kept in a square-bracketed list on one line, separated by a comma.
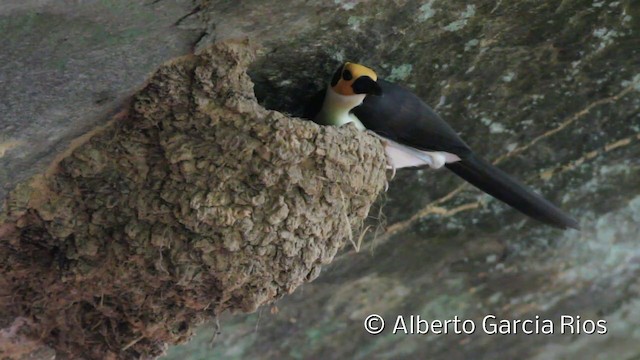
[(195, 201)]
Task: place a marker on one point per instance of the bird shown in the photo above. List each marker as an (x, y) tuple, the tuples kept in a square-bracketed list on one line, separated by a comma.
[(415, 136)]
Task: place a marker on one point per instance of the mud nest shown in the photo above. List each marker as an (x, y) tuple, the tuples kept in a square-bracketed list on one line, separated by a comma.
[(195, 201)]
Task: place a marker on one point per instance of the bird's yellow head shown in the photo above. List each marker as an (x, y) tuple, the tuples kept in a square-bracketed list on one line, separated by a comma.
[(352, 79)]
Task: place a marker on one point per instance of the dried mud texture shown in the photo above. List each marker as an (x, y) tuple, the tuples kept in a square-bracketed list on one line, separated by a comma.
[(195, 201)]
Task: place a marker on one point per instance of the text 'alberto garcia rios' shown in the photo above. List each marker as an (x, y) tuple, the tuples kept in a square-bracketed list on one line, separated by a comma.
[(490, 325)]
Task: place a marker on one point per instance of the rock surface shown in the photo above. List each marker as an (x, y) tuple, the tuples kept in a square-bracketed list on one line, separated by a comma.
[(67, 66)]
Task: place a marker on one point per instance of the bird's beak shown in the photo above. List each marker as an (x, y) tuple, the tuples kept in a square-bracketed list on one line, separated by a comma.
[(366, 85)]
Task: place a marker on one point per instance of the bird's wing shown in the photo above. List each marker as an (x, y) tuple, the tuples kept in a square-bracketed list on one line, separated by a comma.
[(401, 116)]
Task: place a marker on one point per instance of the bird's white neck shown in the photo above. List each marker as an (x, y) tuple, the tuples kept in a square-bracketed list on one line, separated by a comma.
[(336, 109)]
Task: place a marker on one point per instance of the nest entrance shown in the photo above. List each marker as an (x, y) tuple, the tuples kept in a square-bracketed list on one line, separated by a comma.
[(289, 84)]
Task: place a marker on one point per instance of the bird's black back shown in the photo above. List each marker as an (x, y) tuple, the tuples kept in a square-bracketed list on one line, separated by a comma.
[(401, 116)]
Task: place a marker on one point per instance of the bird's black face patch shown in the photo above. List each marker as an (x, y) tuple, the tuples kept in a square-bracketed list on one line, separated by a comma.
[(346, 75), (336, 76), (366, 85)]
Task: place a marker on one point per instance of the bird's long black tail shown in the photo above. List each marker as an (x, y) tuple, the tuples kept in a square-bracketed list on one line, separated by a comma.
[(498, 184)]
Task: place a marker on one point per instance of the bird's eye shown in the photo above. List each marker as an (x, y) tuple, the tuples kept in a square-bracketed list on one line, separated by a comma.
[(347, 75)]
